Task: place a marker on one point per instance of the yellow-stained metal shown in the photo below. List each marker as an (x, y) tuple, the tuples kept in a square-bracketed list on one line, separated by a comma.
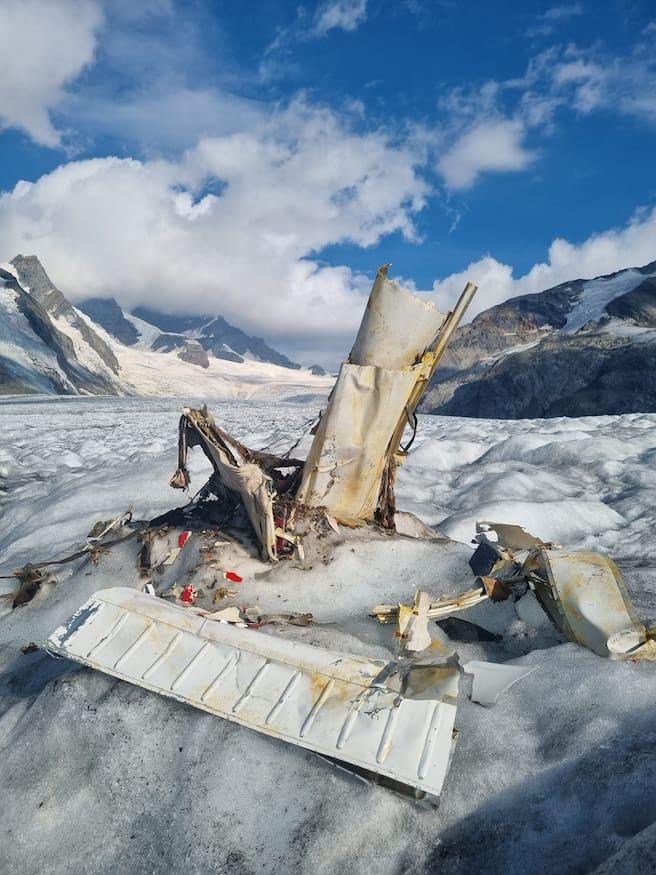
[(376, 716), (395, 328), (350, 466), (247, 479), (443, 607), (585, 596)]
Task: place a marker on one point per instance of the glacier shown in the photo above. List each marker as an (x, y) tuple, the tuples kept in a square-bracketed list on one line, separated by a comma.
[(102, 776)]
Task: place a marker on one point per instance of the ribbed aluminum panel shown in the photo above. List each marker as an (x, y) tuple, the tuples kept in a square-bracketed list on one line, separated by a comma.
[(336, 705)]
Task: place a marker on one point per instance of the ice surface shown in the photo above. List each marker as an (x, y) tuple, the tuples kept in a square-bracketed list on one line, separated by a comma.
[(100, 776), (596, 294)]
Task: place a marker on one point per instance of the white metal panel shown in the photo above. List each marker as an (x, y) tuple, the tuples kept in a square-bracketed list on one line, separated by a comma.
[(396, 328), (345, 464), (337, 705), (586, 597)]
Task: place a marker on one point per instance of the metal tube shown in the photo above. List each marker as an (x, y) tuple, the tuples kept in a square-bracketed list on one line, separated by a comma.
[(452, 322)]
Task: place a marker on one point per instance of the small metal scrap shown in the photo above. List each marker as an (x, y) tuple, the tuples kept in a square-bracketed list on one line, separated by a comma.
[(222, 593), (508, 537), (443, 607), (256, 617), (412, 625), (491, 679)]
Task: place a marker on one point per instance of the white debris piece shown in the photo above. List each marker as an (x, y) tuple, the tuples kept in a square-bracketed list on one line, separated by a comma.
[(356, 710), (492, 678), (412, 625)]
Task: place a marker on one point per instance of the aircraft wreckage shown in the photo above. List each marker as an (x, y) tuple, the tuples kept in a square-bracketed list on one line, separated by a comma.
[(393, 722)]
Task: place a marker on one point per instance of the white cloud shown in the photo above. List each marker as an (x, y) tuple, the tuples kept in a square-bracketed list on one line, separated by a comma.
[(489, 146), (339, 15), (559, 13), (346, 15), (44, 45), (292, 183), (162, 119), (591, 79), (603, 253), (486, 128), (552, 18)]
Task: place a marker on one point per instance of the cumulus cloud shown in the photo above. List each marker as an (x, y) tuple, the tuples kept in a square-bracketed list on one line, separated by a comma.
[(44, 45), (614, 249), (157, 231), (489, 146), (487, 128)]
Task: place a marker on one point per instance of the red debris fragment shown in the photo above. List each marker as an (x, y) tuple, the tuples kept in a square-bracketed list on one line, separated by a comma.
[(233, 576), (188, 596), (183, 537)]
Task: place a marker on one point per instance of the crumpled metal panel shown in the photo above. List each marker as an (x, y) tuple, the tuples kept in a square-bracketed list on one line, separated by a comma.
[(355, 437), (247, 479), (585, 596), (350, 466), (345, 464), (376, 716)]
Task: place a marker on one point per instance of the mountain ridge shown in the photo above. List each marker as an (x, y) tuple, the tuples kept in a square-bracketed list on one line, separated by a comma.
[(567, 350), (49, 346)]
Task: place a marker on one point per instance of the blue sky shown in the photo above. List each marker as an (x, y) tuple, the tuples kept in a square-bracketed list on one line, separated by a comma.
[(261, 160)]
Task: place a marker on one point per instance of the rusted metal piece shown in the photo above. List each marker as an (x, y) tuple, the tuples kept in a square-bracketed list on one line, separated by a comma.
[(412, 625), (507, 536), (395, 720), (496, 588)]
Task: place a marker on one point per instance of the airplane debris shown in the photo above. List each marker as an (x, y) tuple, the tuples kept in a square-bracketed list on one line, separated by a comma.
[(443, 607), (389, 721), (349, 473), (412, 625), (188, 595), (586, 599), (491, 679), (395, 720), (227, 615), (350, 469), (222, 593)]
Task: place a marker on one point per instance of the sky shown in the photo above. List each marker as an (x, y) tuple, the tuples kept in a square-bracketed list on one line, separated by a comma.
[(261, 160)]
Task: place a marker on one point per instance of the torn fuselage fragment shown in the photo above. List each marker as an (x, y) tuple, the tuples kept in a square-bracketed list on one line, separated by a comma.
[(351, 463)]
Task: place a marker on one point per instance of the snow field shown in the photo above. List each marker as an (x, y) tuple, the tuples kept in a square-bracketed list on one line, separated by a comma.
[(104, 777)]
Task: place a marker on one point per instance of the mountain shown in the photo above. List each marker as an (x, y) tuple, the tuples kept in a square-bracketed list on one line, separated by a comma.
[(584, 347), (166, 332), (49, 346), (107, 313), (45, 345), (214, 334)]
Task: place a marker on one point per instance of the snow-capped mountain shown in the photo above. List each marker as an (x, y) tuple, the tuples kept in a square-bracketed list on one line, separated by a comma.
[(49, 346), (176, 332), (45, 344), (584, 347)]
